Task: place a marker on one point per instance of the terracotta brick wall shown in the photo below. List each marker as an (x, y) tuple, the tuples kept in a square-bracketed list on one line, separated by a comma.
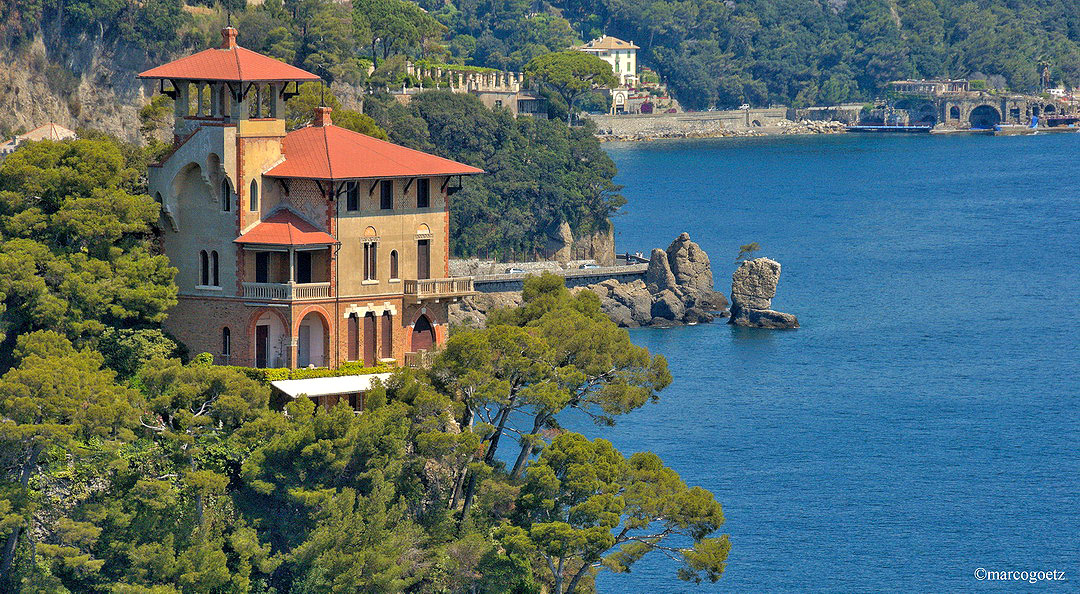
[(198, 322)]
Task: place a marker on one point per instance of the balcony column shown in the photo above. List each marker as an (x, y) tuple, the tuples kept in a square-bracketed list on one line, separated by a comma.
[(292, 266)]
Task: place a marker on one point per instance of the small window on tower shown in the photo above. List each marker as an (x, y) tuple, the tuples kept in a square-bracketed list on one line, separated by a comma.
[(226, 196), (423, 193), (386, 194), (204, 268), (253, 200)]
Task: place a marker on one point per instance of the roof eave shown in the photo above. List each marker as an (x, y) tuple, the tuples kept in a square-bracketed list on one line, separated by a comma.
[(407, 176)]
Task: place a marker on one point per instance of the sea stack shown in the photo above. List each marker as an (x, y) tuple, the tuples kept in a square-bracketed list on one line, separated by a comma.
[(753, 286)]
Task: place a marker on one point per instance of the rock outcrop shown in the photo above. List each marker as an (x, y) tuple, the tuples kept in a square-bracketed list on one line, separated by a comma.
[(561, 245), (753, 286), (472, 311), (678, 289)]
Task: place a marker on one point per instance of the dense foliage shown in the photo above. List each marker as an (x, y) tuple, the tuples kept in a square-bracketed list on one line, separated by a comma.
[(711, 52), (184, 477), (540, 172), (76, 245)]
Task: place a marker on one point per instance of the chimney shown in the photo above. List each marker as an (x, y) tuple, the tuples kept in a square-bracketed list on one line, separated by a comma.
[(228, 38), (322, 116)]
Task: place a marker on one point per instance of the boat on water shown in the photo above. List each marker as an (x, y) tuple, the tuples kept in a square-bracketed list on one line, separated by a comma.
[(1017, 129), (891, 129)]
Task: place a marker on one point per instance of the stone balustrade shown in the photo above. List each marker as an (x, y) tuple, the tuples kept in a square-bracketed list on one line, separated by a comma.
[(286, 291)]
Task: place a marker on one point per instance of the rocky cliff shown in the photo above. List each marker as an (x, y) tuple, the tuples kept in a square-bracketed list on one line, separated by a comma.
[(81, 83), (561, 245)]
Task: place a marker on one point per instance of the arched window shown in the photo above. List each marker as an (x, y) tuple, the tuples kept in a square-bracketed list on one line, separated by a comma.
[(253, 198), (204, 268), (393, 264), (371, 248), (226, 196), (226, 341), (214, 269)]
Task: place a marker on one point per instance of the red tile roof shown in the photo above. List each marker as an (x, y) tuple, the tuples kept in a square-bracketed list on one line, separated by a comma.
[(229, 63), (286, 228), (330, 152)]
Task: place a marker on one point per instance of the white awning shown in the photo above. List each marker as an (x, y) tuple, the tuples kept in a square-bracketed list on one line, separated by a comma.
[(329, 386)]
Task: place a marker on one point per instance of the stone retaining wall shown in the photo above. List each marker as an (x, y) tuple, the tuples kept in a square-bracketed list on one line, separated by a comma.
[(677, 124)]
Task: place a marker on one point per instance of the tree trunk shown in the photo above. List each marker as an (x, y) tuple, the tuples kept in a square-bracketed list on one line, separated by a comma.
[(469, 491), (577, 577), (527, 448), (13, 538), (494, 444)]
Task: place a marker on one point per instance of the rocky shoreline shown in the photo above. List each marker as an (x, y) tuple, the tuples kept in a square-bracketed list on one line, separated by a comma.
[(677, 290), (782, 128)]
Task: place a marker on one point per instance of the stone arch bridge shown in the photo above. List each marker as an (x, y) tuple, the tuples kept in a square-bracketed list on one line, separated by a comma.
[(978, 111)]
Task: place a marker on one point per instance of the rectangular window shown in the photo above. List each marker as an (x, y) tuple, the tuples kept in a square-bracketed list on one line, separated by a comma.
[(262, 267), (423, 259), (370, 258), (303, 267), (386, 194), (352, 193), (423, 193)]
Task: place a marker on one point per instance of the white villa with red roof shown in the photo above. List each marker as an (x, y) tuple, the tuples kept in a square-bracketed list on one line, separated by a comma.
[(312, 247)]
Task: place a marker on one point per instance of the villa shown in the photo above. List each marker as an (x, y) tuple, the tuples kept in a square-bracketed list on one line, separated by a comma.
[(314, 247)]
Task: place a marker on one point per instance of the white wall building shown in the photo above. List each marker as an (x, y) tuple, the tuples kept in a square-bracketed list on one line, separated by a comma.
[(622, 56)]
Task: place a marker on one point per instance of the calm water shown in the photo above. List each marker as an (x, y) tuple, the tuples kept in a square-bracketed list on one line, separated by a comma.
[(924, 421)]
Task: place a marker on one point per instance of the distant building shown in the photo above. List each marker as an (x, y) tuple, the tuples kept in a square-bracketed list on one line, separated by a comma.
[(1058, 92), (493, 88), (622, 55), (306, 248), (50, 131), (930, 88)]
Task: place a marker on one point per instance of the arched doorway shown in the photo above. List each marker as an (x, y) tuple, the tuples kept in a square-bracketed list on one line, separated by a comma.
[(311, 341), (984, 116), (269, 340), (1049, 109), (423, 335), (954, 113)]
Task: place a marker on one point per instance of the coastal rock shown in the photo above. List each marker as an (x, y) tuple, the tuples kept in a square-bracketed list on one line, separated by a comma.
[(689, 265), (472, 311), (659, 276), (763, 318), (711, 301), (668, 306), (753, 286), (696, 315)]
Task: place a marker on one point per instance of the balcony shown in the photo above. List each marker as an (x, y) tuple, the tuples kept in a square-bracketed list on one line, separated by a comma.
[(436, 288), (286, 291)]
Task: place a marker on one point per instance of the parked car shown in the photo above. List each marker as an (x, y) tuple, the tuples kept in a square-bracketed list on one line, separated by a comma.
[(744, 106), (588, 266), (514, 271)]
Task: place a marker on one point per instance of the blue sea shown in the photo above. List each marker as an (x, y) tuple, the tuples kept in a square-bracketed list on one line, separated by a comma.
[(924, 421)]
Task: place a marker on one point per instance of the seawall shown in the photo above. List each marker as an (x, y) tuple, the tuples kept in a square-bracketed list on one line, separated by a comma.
[(689, 124), (500, 283)]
